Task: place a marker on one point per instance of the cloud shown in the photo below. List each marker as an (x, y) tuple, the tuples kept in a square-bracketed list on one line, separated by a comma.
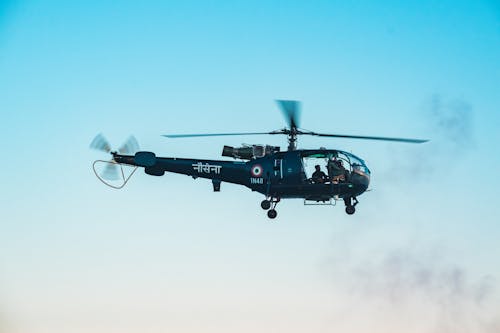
[(450, 127), (408, 289), (451, 121)]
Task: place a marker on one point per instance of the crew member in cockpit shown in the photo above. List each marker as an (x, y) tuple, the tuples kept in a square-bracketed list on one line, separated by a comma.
[(336, 170), (318, 176)]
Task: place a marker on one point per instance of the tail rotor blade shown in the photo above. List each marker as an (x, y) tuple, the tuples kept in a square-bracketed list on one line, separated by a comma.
[(131, 146), (110, 172), (100, 143)]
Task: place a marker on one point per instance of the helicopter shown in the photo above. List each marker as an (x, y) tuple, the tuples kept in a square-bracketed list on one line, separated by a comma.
[(265, 169)]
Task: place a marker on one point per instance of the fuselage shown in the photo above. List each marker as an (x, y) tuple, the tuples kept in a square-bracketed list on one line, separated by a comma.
[(278, 174)]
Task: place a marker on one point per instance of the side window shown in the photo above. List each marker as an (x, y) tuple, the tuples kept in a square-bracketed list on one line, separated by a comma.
[(309, 164)]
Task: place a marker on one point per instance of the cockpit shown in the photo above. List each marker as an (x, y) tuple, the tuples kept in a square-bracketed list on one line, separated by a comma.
[(334, 166)]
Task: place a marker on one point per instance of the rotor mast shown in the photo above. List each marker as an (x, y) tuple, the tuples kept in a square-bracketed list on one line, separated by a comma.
[(292, 139)]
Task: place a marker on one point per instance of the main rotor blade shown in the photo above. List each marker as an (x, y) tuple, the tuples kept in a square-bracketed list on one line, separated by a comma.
[(291, 111), (175, 136), (365, 137), (131, 146)]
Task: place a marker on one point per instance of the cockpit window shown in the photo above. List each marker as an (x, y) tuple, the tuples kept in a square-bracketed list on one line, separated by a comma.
[(337, 166), (355, 162)]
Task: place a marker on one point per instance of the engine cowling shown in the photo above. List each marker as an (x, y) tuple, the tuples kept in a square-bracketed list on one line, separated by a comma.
[(249, 152)]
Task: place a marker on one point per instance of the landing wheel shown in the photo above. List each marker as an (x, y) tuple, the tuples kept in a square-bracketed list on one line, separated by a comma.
[(350, 210), (265, 204), (272, 213)]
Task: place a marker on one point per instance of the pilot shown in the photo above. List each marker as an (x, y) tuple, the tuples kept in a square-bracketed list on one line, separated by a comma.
[(318, 176), (336, 170)]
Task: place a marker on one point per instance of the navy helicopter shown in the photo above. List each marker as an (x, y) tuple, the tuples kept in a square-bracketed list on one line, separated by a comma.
[(263, 168)]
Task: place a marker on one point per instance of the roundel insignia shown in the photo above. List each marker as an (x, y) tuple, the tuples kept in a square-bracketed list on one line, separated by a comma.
[(256, 170)]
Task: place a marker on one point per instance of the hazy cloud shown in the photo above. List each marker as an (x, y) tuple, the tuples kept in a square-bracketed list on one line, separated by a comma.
[(450, 127), (451, 121), (414, 290)]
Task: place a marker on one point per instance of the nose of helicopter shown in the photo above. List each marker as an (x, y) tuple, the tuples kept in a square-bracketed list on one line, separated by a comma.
[(360, 180)]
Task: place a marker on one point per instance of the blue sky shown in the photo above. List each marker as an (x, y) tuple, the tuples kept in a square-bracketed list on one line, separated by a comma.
[(167, 253)]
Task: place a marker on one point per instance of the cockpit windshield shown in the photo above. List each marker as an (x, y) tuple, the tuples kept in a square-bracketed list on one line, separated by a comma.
[(355, 162), (332, 166)]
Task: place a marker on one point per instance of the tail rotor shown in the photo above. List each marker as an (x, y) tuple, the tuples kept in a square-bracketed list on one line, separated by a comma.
[(113, 171)]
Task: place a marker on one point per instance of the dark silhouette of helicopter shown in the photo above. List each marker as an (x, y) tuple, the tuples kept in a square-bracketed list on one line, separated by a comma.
[(262, 168)]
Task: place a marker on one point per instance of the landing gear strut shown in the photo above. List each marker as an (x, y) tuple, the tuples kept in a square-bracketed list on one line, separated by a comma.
[(270, 203), (350, 204)]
